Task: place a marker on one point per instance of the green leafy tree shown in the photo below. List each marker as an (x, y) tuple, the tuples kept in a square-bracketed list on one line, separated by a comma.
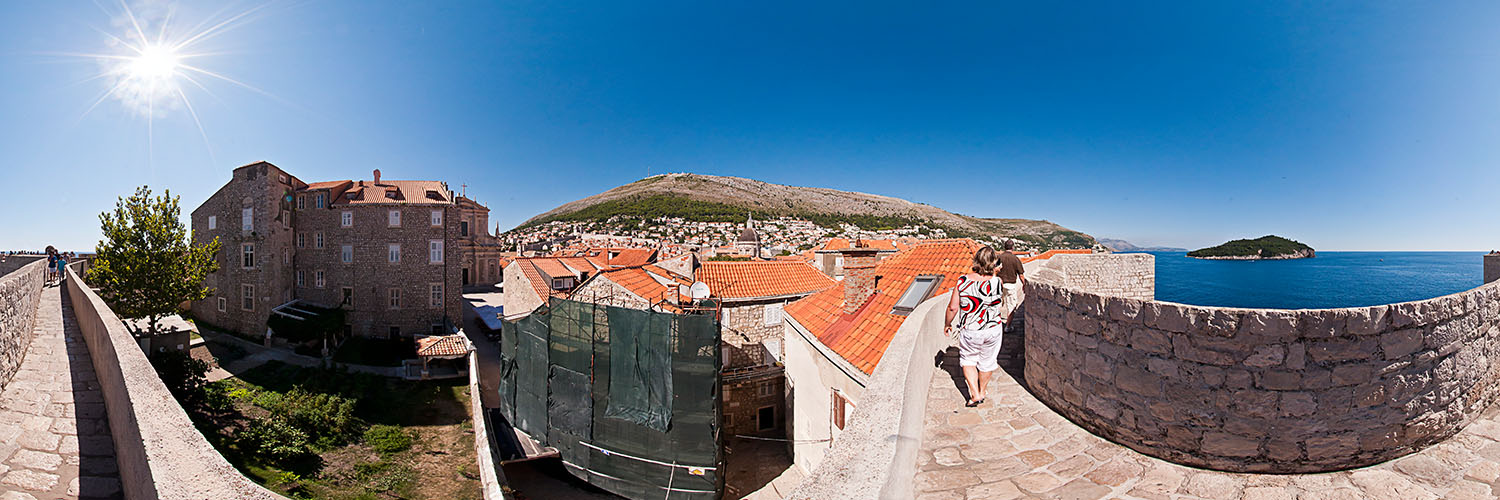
[(145, 265)]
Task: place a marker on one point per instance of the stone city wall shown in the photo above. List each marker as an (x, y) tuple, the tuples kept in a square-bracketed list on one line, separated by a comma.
[(1264, 390), (1491, 267), (159, 452), (20, 290), (1131, 275)]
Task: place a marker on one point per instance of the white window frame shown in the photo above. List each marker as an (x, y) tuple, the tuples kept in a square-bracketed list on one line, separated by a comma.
[(393, 253), (301, 279), (393, 218), (301, 240), (247, 297), (319, 280), (213, 222), (346, 254), (223, 304), (247, 255), (435, 294), (301, 202), (393, 298), (318, 239), (434, 251), (346, 219), (247, 219), (772, 314), (437, 218)]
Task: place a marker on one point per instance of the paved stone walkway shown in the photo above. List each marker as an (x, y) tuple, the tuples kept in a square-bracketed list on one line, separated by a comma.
[(1013, 446), (54, 436)]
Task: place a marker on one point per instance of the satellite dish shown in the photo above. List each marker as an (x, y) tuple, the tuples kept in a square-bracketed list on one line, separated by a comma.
[(699, 290)]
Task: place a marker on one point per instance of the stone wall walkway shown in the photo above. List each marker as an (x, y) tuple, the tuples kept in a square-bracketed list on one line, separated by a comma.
[(54, 436), (1013, 446)]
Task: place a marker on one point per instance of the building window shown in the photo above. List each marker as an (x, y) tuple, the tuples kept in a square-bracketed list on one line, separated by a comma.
[(771, 315), (437, 217), (319, 200), (435, 251), (300, 281), (346, 296), (436, 297), (395, 218), (463, 228), (346, 219), (301, 240), (213, 222), (286, 258), (318, 279), (395, 299), (920, 289), (223, 304), (247, 219), (247, 255), (841, 407), (300, 201), (247, 297), (394, 253), (347, 253), (318, 239), (765, 389)]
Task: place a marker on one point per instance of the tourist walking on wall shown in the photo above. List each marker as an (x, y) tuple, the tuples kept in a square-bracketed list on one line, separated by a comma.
[(51, 264), (977, 305), (61, 265), (1013, 273)]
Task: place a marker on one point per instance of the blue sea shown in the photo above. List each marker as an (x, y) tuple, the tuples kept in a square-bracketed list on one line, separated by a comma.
[(1332, 279)]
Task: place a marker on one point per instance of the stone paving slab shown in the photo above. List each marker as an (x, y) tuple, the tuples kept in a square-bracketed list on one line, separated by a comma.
[(54, 439), (1013, 446)]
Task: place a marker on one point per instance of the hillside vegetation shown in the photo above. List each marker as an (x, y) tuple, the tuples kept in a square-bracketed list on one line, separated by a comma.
[(707, 198), (1266, 247)]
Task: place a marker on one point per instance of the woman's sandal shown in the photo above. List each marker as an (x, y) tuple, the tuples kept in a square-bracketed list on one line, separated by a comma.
[(972, 404)]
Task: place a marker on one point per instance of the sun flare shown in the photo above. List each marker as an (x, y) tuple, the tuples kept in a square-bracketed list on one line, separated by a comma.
[(155, 63)]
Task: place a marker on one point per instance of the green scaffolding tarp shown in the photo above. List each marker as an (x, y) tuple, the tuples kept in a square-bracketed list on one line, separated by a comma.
[(629, 398)]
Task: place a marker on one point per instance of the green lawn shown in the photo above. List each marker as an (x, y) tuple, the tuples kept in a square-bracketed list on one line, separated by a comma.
[(439, 463)]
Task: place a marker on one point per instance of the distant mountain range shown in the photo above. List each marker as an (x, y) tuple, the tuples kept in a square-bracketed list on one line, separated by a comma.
[(709, 198), (1125, 246)]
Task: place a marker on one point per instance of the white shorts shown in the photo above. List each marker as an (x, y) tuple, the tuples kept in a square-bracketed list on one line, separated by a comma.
[(1014, 294), (980, 348)]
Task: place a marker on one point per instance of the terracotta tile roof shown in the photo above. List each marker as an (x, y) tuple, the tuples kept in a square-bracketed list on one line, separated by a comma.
[(553, 268), (539, 284), (662, 272), (836, 244), (446, 345), (862, 337), (762, 279), (640, 281), (629, 257), (326, 184), (403, 192)]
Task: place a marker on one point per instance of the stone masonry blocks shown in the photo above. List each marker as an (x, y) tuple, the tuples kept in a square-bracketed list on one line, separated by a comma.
[(1254, 390)]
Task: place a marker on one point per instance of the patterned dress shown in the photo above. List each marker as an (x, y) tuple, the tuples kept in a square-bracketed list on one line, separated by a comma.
[(982, 303)]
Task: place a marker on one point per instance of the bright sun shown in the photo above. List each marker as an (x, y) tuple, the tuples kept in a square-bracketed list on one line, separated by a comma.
[(154, 64)]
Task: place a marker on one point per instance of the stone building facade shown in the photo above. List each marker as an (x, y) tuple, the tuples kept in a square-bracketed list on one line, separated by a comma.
[(480, 251), (383, 250)]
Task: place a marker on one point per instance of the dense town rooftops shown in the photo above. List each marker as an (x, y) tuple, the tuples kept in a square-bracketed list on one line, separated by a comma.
[(752, 280), (838, 244), (862, 337), (660, 287)]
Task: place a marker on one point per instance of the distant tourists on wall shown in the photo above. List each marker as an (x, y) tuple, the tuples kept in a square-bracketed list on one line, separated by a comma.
[(1013, 273), (51, 264), (61, 265), (976, 310)]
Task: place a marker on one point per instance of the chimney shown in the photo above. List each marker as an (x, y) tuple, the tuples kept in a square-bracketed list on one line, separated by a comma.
[(377, 177), (859, 275)]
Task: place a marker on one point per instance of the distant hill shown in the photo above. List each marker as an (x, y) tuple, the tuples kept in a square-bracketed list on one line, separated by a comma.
[(1125, 246), (709, 198), (1265, 247)]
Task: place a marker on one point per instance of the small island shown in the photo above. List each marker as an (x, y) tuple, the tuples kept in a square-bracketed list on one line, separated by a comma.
[(1263, 248)]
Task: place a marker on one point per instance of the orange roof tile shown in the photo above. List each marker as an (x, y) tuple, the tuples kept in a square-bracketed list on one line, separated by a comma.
[(762, 279), (639, 281), (862, 337), (446, 345), (836, 244)]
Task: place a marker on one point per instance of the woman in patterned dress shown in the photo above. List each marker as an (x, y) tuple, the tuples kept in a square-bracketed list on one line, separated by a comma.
[(978, 306)]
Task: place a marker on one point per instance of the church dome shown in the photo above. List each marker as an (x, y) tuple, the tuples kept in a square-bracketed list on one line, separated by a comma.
[(749, 236)]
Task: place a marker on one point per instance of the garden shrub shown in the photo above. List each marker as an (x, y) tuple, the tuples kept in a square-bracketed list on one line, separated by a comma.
[(387, 438), (275, 440), (327, 419)]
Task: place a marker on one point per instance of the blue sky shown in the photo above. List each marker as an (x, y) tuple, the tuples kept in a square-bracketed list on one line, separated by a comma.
[(1346, 125)]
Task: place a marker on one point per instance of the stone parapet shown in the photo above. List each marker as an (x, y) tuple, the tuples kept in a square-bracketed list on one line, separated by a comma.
[(490, 476), (1255, 390), (20, 290), (160, 454), (1131, 275)]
